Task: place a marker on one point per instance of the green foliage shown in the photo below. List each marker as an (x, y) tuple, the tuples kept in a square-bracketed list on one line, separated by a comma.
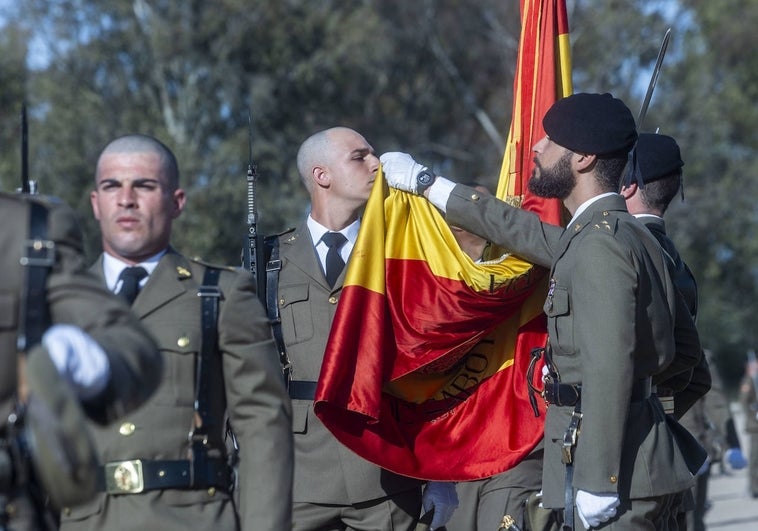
[(431, 77)]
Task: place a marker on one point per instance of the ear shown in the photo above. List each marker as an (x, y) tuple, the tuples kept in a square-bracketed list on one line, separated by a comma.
[(179, 200), (93, 203), (584, 162), (321, 176), (628, 191)]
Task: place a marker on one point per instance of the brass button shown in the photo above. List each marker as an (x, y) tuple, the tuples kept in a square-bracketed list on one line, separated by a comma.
[(332, 300), (605, 212), (212, 491), (281, 302), (475, 197), (161, 473), (126, 429), (183, 341), (614, 479), (67, 511)]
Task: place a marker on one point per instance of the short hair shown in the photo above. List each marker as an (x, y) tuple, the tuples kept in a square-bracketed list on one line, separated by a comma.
[(138, 143), (311, 153), (608, 171), (659, 193)]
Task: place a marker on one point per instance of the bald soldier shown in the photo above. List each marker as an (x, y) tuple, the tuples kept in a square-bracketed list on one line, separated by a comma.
[(166, 466), (335, 489), (613, 459), (67, 346)]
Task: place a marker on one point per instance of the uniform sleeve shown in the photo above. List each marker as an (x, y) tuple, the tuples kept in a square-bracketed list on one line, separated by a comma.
[(604, 286), (259, 408), (519, 231), (76, 298)]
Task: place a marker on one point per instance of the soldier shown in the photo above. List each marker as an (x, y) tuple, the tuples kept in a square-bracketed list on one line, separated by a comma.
[(654, 179), (749, 399), (155, 475), (335, 488), (92, 354), (484, 502), (611, 454)]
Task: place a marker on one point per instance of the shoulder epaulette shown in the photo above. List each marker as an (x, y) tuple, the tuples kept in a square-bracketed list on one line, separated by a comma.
[(279, 234), (203, 263)]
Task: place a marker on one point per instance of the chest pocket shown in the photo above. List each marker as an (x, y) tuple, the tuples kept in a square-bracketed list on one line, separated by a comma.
[(179, 342), (296, 313), (560, 321)]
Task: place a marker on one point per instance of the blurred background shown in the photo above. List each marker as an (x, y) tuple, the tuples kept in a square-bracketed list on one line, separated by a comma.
[(430, 77)]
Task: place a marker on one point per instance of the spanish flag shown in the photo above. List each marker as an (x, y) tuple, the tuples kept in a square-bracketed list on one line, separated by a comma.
[(425, 368)]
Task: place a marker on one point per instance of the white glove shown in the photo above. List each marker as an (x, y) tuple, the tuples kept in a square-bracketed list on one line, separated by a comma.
[(400, 171), (78, 358), (442, 497), (594, 509)]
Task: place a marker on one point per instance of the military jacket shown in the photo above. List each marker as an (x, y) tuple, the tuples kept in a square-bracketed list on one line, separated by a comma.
[(72, 297), (249, 389), (611, 310), (325, 470)]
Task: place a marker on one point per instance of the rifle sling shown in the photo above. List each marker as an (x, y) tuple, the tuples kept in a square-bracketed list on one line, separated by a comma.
[(208, 362), (39, 257), (273, 267)]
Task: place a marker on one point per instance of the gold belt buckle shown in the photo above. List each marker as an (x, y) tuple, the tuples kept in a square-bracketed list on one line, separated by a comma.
[(124, 477)]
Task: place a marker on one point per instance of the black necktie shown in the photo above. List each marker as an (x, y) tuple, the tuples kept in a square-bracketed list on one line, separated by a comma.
[(130, 286), (334, 261)]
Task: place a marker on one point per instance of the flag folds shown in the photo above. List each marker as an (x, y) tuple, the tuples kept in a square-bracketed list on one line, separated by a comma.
[(425, 368)]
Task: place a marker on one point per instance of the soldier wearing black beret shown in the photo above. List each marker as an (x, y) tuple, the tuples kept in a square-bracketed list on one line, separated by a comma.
[(613, 458), (652, 180)]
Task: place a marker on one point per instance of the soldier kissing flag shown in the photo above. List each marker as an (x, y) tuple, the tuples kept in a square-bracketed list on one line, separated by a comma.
[(425, 368)]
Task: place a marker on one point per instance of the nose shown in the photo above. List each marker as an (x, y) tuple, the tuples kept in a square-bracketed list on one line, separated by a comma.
[(126, 197), (373, 162), (539, 147)]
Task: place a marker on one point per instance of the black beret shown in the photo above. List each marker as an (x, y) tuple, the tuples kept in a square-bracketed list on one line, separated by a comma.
[(656, 156), (596, 124)]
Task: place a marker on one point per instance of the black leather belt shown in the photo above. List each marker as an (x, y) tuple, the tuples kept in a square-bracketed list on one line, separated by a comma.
[(564, 394), (302, 389), (140, 475)]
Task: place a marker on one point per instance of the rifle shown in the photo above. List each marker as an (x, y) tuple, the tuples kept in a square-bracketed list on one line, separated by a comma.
[(653, 79), (628, 175), (253, 251), (256, 252), (27, 186)]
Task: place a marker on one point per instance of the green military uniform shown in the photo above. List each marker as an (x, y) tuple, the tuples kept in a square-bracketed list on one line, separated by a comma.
[(609, 266), (73, 297), (327, 474), (248, 387), (749, 401)]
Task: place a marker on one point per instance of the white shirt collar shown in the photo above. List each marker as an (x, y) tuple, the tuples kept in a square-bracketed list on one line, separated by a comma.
[(112, 268), (317, 231), (584, 206)]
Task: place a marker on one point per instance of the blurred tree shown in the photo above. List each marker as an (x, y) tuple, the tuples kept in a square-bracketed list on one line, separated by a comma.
[(431, 77)]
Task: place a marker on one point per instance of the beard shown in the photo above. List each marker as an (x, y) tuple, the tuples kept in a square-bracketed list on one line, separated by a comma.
[(555, 182)]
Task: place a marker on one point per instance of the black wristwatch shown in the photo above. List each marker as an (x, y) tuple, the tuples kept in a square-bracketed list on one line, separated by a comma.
[(424, 179)]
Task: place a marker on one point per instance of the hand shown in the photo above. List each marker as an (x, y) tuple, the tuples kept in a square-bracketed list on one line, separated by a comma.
[(594, 509), (443, 499), (78, 358), (400, 171), (735, 458)]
